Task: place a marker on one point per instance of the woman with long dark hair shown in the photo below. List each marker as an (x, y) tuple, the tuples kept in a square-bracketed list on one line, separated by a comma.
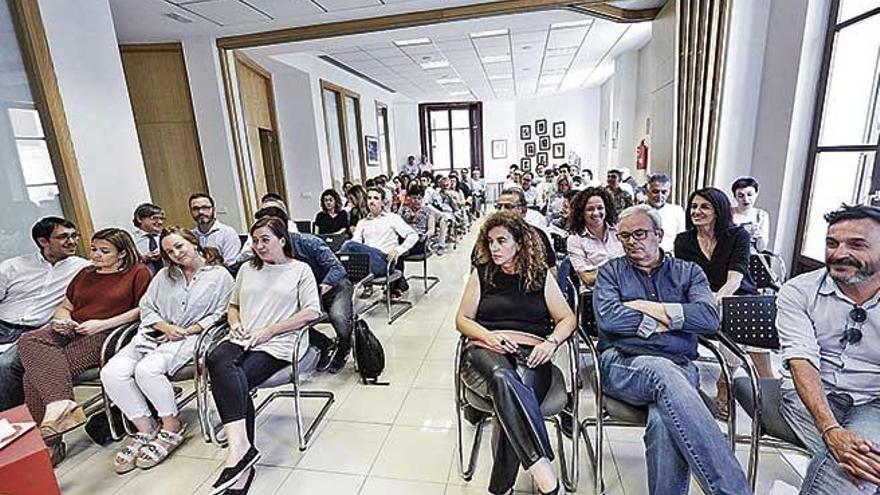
[(593, 224), (98, 299), (722, 249), (186, 297), (515, 317), (273, 298), (357, 201), (332, 219)]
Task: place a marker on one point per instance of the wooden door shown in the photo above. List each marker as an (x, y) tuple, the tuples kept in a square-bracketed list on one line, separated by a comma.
[(160, 100)]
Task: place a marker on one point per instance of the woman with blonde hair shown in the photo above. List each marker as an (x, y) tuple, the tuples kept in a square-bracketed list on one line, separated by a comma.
[(98, 299), (185, 298), (515, 317)]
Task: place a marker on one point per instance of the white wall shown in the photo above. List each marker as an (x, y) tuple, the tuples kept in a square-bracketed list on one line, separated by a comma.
[(85, 55), (405, 125), (212, 121), (500, 123)]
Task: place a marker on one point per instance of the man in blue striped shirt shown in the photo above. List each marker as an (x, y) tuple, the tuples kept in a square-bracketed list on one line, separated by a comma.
[(650, 308)]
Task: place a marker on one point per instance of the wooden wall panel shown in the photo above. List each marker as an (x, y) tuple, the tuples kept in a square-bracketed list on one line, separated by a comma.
[(160, 99)]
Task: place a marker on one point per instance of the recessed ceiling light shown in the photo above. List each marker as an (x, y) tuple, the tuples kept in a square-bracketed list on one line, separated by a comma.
[(500, 77), (459, 93), (413, 42), (487, 34), (177, 17), (437, 64), (526, 47), (570, 24), (491, 59), (449, 80)]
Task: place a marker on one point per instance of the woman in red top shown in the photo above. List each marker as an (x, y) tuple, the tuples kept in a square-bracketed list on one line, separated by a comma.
[(99, 299)]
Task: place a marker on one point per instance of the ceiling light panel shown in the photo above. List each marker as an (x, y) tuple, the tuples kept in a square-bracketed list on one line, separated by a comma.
[(228, 13), (286, 8), (413, 42), (571, 24), (489, 34), (491, 59)]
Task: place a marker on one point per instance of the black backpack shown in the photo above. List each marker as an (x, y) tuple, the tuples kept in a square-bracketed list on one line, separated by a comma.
[(368, 353)]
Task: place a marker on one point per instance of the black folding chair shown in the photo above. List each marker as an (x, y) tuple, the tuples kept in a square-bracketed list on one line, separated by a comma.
[(357, 265), (334, 241), (303, 226), (762, 272), (751, 321), (560, 245), (422, 256)]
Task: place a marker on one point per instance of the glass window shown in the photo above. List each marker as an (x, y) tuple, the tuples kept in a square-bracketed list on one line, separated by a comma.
[(28, 185), (451, 133), (334, 137), (440, 153), (851, 8), (352, 117)]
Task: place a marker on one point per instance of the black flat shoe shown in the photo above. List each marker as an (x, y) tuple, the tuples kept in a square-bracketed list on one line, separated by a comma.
[(326, 357), (231, 475), (247, 485)]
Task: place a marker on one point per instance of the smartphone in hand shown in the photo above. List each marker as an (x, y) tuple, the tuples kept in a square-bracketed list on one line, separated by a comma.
[(155, 336)]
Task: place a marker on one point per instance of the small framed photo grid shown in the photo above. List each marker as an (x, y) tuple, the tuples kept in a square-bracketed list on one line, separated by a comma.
[(541, 127), (544, 143), (525, 163), (559, 129), (530, 148), (541, 159), (558, 150), (525, 132)]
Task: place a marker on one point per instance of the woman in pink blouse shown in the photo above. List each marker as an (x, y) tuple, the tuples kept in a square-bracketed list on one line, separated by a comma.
[(593, 223)]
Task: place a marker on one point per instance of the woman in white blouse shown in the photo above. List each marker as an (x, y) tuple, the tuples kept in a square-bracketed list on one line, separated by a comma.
[(187, 296), (745, 214), (593, 223), (274, 297)]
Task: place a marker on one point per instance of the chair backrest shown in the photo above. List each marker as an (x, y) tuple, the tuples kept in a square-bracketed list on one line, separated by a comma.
[(750, 320), (560, 245), (357, 265), (242, 238), (303, 226), (761, 271), (586, 317), (334, 241)]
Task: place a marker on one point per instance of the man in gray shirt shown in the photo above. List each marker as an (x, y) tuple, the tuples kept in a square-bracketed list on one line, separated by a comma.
[(829, 328)]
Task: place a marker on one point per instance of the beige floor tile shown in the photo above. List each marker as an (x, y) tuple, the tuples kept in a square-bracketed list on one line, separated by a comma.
[(401, 372), (420, 454), (368, 404), (443, 349), (386, 486), (94, 476), (435, 374), (177, 475), (407, 347), (428, 408), (345, 448), (308, 482), (266, 480)]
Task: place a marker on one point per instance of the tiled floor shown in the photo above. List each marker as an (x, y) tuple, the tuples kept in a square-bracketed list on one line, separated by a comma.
[(392, 440)]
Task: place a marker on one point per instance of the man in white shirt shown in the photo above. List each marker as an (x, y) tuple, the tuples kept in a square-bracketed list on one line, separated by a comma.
[(148, 222), (425, 165), (658, 188), (377, 235), (32, 286), (211, 232), (533, 199)]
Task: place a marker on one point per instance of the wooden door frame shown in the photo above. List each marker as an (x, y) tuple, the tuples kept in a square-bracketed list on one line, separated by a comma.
[(341, 93), (273, 117)]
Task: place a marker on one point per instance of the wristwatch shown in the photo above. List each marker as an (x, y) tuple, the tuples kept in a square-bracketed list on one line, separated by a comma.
[(552, 340)]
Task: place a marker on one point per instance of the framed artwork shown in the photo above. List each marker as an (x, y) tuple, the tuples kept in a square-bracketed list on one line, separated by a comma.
[(559, 129), (615, 133), (558, 150), (541, 127), (499, 148), (530, 148), (544, 143), (525, 132), (525, 163), (372, 143), (541, 158)]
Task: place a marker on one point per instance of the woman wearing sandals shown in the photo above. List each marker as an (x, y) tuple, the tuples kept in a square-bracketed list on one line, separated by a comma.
[(186, 297), (274, 296), (98, 299)]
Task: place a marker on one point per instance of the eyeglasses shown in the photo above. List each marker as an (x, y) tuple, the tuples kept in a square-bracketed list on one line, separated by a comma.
[(639, 235), (506, 206), (67, 237), (853, 334)]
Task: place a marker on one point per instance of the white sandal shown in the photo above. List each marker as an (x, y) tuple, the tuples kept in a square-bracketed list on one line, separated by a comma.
[(166, 442), (124, 461)]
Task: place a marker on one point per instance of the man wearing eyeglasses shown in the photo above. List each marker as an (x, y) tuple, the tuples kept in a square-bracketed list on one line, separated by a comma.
[(31, 287), (829, 329), (148, 221), (650, 309), (514, 200)]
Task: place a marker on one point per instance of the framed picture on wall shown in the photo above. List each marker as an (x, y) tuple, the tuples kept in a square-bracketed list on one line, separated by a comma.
[(372, 143), (558, 150), (541, 159), (525, 163), (499, 148), (544, 143), (525, 132), (559, 129), (541, 127), (530, 148)]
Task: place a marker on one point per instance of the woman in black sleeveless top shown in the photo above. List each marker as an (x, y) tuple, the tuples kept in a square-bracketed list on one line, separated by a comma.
[(515, 318)]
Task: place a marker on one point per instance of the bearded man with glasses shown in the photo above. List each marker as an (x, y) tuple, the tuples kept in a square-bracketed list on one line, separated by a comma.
[(829, 329), (650, 309)]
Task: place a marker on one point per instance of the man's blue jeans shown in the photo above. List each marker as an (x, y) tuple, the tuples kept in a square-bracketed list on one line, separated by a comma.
[(824, 476), (11, 369), (681, 436), (378, 259)]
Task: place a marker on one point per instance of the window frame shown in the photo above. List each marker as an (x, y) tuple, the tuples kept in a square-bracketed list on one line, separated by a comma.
[(341, 94), (803, 263), (475, 115)]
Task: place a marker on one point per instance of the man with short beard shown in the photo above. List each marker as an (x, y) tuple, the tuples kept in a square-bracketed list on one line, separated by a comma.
[(211, 232), (829, 328), (658, 188)]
